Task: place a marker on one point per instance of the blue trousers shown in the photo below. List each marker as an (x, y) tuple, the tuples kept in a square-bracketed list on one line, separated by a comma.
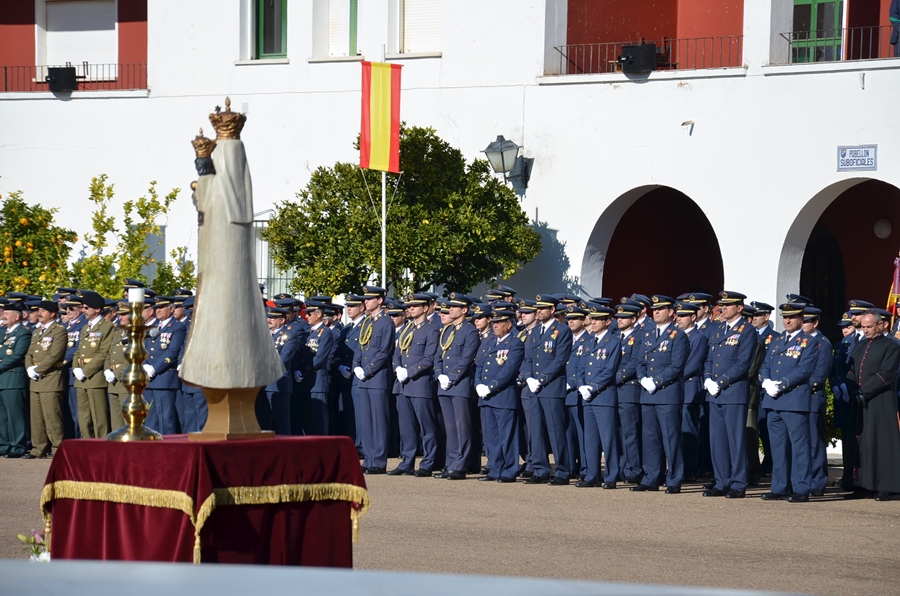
[(502, 434), (525, 405), (789, 434), (374, 420), (630, 439), (162, 416), (195, 411), (661, 441), (549, 413), (417, 424), (575, 436), (690, 437), (279, 412), (318, 414), (600, 432), (728, 445), (458, 428), (182, 415), (818, 445)]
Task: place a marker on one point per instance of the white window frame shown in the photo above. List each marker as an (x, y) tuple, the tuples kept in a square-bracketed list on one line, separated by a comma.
[(94, 72)]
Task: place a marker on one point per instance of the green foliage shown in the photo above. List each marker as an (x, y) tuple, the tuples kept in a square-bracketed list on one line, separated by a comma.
[(180, 275), (105, 270), (35, 249), (448, 223)]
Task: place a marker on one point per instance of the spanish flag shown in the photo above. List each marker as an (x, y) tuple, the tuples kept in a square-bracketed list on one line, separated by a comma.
[(379, 134)]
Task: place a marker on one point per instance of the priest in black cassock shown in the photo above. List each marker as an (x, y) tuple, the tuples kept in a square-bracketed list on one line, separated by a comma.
[(872, 381)]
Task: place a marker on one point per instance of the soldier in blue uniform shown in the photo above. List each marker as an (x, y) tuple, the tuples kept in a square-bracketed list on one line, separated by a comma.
[(481, 319), (161, 366), (544, 371), (500, 293), (73, 324), (195, 406), (660, 365), (581, 341), (527, 314), (597, 388), (454, 370), (732, 347), (844, 408), (315, 358), (785, 375), (818, 442), (498, 396), (694, 393), (766, 335), (14, 420), (372, 366), (347, 346), (413, 364), (273, 408), (628, 393)]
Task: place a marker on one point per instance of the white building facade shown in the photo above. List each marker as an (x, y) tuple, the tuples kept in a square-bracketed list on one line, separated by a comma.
[(719, 168)]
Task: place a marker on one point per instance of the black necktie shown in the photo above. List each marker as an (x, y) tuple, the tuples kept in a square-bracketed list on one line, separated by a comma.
[(657, 333)]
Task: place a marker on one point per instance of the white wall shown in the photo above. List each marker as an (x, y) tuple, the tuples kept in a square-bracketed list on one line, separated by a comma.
[(764, 136)]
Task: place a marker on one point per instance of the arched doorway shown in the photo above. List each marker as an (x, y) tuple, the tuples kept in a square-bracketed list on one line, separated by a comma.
[(652, 239), (850, 235)]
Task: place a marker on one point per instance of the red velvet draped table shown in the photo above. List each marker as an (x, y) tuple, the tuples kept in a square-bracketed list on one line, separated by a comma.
[(282, 501)]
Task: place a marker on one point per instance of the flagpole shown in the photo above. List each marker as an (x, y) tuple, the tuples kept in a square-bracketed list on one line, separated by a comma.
[(383, 230)]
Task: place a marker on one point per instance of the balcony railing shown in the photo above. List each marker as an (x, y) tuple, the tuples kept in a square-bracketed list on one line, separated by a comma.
[(671, 54), (89, 77), (835, 45)]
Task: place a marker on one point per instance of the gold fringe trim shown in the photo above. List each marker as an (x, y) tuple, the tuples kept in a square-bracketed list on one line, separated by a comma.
[(357, 496)]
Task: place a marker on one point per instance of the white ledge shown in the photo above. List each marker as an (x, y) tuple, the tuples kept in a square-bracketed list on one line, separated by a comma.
[(656, 75), (414, 56), (323, 59), (262, 62), (838, 66), (46, 95)]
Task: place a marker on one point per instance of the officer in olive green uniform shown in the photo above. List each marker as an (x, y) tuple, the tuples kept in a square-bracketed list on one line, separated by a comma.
[(114, 367), (13, 382), (44, 364), (87, 367)]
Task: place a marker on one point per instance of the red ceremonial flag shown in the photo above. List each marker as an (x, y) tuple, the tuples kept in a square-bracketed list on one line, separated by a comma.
[(379, 133)]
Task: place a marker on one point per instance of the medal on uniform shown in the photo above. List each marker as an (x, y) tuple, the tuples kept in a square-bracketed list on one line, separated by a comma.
[(93, 344), (502, 356), (8, 352)]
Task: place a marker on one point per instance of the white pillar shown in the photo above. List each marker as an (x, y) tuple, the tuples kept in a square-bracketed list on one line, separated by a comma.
[(764, 22)]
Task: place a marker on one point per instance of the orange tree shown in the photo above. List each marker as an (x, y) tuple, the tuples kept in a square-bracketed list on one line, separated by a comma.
[(35, 249)]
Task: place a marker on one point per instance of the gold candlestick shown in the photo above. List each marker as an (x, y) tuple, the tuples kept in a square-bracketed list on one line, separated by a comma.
[(135, 409)]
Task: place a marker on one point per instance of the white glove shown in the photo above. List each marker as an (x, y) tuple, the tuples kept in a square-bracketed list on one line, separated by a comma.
[(298, 376), (585, 392), (402, 375), (360, 373), (151, 372), (648, 384), (444, 382), (569, 387), (771, 387), (178, 368), (345, 371), (712, 387), (533, 384), (32, 372), (110, 376), (482, 390), (79, 374)]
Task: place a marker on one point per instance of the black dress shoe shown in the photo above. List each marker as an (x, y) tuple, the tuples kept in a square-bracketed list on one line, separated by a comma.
[(400, 472), (526, 474), (673, 490), (816, 492), (13, 455), (504, 480), (734, 494), (633, 479), (643, 487), (585, 484), (773, 497), (486, 479), (484, 470), (558, 481), (375, 471), (709, 486), (883, 496), (608, 485), (535, 480), (797, 498), (442, 474), (714, 492), (456, 476), (29, 456), (420, 473)]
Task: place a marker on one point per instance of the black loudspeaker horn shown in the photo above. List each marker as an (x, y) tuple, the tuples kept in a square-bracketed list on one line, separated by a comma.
[(638, 58), (61, 79)]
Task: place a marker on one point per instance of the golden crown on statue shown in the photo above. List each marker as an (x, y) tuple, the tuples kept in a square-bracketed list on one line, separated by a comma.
[(228, 124), (203, 147)]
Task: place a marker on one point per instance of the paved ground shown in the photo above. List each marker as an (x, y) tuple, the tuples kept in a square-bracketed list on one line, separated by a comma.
[(828, 546)]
